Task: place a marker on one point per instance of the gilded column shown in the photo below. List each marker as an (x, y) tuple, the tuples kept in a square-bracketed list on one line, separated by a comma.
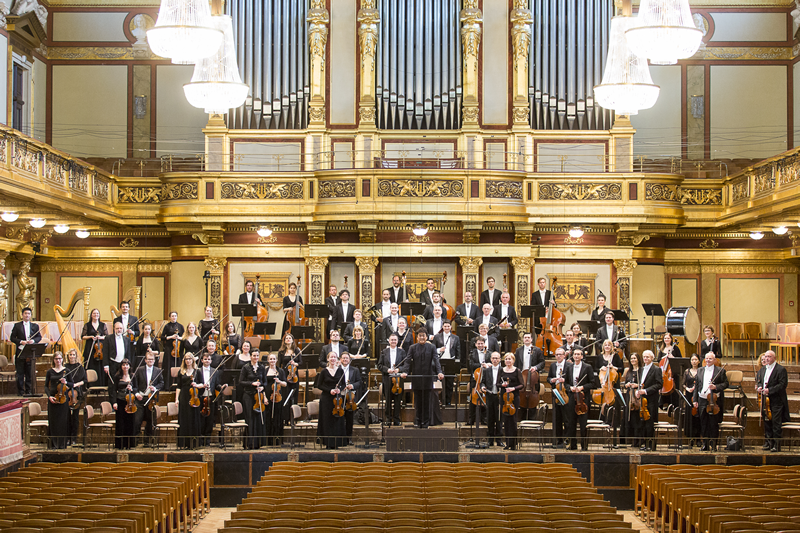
[(624, 268), (318, 19), (470, 267), (366, 278), (522, 287), (368, 19), (216, 268), (26, 285), (521, 20), (4, 288), (471, 20), (316, 276)]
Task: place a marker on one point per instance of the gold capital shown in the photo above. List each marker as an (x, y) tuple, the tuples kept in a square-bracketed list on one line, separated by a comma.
[(366, 265), (625, 266), (470, 264), (316, 264)]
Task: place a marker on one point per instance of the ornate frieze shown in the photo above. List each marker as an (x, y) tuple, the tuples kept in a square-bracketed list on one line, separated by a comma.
[(179, 191), (77, 266), (79, 177), (788, 170), (580, 191), (758, 53), (741, 189), (777, 268), (24, 157), (504, 189), (139, 195), (337, 188), (82, 53), (128, 243), (3, 146), (763, 180), (625, 266), (709, 244), (56, 169), (700, 196), (421, 188), (100, 187), (17, 232), (660, 192), (263, 190)]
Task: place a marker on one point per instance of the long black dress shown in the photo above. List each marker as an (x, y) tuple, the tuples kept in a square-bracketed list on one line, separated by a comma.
[(167, 345), (616, 362), (88, 349), (233, 340), (691, 424), (256, 432), (286, 304), (510, 421), (359, 347), (57, 413), (632, 420), (273, 422), (141, 350), (331, 429), (188, 416), (77, 374), (672, 398), (206, 326), (193, 347), (124, 429), (238, 364), (283, 362)]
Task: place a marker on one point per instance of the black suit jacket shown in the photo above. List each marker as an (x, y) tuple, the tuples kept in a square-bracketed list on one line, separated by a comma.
[(323, 356), (429, 327), (385, 363), (720, 379), (537, 358), (354, 375), (340, 317), (243, 297), (777, 387), (332, 302), (475, 360), (474, 313), (18, 335), (586, 379), (110, 349), (427, 313), (495, 300), (215, 380), (133, 324), (536, 298), (479, 320), (616, 335), (422, 361), (348, 331), (487, 381), (651, 385), (425, 298), (512, 314), (400, 295), (157, 380), (715, 348), (552, 372), (493, 345), (453, 341)]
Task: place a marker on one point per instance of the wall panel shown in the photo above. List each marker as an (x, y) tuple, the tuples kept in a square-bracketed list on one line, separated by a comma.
[(105, 293), (153, 297), (658, 129), (108, 27), (648, 287), (344, 56), (749, 27), (764, 308), (178, 124), (495, 46), (684, 292), (186, 294)]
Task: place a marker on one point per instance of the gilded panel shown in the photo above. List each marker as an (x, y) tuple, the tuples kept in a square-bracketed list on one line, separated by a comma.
[(416, 283), (741, 189), (81, 53), (3, 145), (701, 196), (764, 180), (25, 158), (504, 189), (79, 178), (337, 188), (421, 188), (272, 286), (100, 188), (660, 192), (759, 53), (574, 292), (139, 195), (263, 190), (56, 169), (179, 191), (788, 170), (580, 191)]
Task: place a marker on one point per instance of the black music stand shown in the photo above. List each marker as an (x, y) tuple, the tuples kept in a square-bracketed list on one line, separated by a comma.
[(589, 327), (507, 337), (264, 328), (620, 316), (653, 310), (269, 345), (303, 332), (32, 352), (242, 311), (318, 311), (466, 336), (412, 308)]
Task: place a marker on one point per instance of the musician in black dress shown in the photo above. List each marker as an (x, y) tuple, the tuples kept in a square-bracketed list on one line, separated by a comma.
[(149, 380), (172, 331), (251, 380), (289, 355), (274, 377), (632, 420), (124, 428), (331, 429), (94, 331), (599, 312), (351, 382), (710, 343), (357, 322), (209, 325), (57, 413), (146, 343), (78, 377), (289, 304), (691, 424), (609, 358), (232, 339), (188, 416), (191, 342), (359, 346), (390, 360), (237, 363), (580, 340), (510, 378), (668, 350)]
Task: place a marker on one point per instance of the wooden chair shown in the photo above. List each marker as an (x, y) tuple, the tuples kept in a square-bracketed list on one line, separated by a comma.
[(91, 427), (170, 425), (735, 334)]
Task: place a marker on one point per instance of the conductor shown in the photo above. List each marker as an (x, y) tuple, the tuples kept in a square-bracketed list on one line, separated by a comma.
[(422, 361)]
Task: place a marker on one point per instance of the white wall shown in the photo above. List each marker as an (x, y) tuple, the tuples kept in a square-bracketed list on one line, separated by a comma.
[(178, 125), (749, 27), (658, 129), (106, 27)]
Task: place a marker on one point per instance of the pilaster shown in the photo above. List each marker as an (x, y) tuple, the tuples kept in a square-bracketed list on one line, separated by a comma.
[(523, 268), (25, 286), (316, 276), (470, 268), (471, 31), (216, 268), (624, 269), (318, 19)]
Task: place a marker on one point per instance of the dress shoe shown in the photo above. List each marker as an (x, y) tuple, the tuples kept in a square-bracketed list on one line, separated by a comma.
[(766, 446), (644, 449), (775, 449), (500, 443), (704, 448)]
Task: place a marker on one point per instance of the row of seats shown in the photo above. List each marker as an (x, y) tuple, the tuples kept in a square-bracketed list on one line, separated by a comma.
[(718, 498), (119, 498), (361, 497)]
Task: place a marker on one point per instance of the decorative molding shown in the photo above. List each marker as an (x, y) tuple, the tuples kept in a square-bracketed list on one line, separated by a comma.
[(316, 113), (522, 114), (741, 189), (471, 18), (267, 240), (139, 195), (521, 20), (522, 264), (419, 239), (215, 264), (366, 265), (763, 180), (154, 267), (317, 19), (570, 240), (660, 192), (625, 267), (504, 189), (262, 190), (41, 236), (756, 53), (580, 191), (420, 188), (100, 187), (776, 268), (471, 236), (366, 114), (631, 239), (316, 264), (709, 244), (56, 169), (469, 114), (16, 232), (179, 191), (337, 188), (681, 269), (25, 158), (471, 264), (106, 53), (128, 243), (368, 19), (700, 196), (79, 177)]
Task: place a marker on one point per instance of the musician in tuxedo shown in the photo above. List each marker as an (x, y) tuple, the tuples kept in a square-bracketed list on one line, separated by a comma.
[(116, 347), (541, 296), (491, 295), (504, 312), (448, 346), (555, 375), (388, 363), (422, 361), (436, 303), (344, 310), (771, 382), (250, 295), (650, 383), (426, 296), (211, 349), (578, 377), (129, 322), (391, 321), (570, 344), (396, 292), (332, 300), (23, 333), (468, 312), (490, 341), (490, 385), (711, 379), (357, 321), (384, 307), (334, 346), (528, 357), (477, 358), (171, 332), (611, 332), (210, 379), (149, 380), (486, 317), (434, 324), (351, 382)]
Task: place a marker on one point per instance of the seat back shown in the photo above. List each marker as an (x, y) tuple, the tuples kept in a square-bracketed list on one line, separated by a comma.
[(780, 332), (735, 378), (735, 331), (771, 330), (91, 376), (34, 409), (752, 330), (313, 409)]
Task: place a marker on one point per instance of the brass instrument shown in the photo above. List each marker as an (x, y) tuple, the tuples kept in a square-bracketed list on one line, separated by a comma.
[(62, 315), (374, 313)]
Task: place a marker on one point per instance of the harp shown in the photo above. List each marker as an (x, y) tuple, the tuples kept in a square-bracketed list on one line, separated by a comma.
[(62, 316), (133, 296)]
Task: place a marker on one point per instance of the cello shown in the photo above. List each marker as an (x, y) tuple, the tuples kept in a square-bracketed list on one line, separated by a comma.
[(666, 376), (551, 324), (448, 312), (262, 315)]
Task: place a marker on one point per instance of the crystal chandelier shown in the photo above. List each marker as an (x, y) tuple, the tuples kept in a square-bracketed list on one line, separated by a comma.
[(216, 85), (184, 31), (665, 32), (626, 87)]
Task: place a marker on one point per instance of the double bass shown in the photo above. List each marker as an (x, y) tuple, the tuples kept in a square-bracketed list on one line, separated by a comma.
[(262, 315), (297, 316), (666, 376), (551, 324), (529, 396), (448, 312)]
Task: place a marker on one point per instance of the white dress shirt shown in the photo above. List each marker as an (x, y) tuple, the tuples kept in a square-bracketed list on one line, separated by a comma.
[(526, 357), (335, 348), (542, 294), (386, 308), (26, 326), (120, 355), (495, 370), (487, 319), (437, 326), (491, 295), (708, 375), (576, 372), (645, 370), (392, 357), (467, 308), (125, 320), (768, 373), (446, 341)]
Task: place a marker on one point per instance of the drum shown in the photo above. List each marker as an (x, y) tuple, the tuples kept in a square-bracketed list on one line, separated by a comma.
[(685, 322)]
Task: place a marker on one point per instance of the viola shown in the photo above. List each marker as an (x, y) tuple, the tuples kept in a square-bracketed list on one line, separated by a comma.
[(605, 394), (74, 400), (529, 397), (644, 412), (634, 402), (666, 376), (508, 402), (130, 401), (338, 405), (763, 406), (98, 351)]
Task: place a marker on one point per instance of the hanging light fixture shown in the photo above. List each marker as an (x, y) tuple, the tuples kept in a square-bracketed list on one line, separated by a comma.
[(264, 231), (780, 230), (8, 216), (61, 228), (216, 85), (420, 229), (37, 223), (81, 233), (627, 86), (184, 31), (665, 32), (576, 232), (756, 235)]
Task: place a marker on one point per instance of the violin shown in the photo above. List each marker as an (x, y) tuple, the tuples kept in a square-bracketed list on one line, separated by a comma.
[(477, 394), (350, 400), (397, 388), (74, 400), (98, 351), (230, 349), (508, 402), (276, 391), (130, 401), (338, 406), (62, 392), (562, 391), (176, 345), (194, 398), (206, 410), (644, 412), (580, 403), (291, 375), (712, 408), (261, 402), (605, 394)]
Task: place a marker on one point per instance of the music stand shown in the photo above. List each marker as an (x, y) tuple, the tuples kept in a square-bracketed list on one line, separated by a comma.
[(264, 328), (32, 351), (653, 310), (317, 311), (303, 332), (269, 345), (412, 308), (589, 327), (507, 337), (536, 313), (242, 311), (621, 316), (465, 336)]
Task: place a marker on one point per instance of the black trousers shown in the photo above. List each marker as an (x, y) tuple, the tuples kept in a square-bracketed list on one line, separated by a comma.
[(422, 404), (74, 420), (773, 429), (472, 407), (207, 425), (143, 414), (392, 403), (113, 368), (559, 422), (709, 423), (23, 368), (494, 424), (575, 421)]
